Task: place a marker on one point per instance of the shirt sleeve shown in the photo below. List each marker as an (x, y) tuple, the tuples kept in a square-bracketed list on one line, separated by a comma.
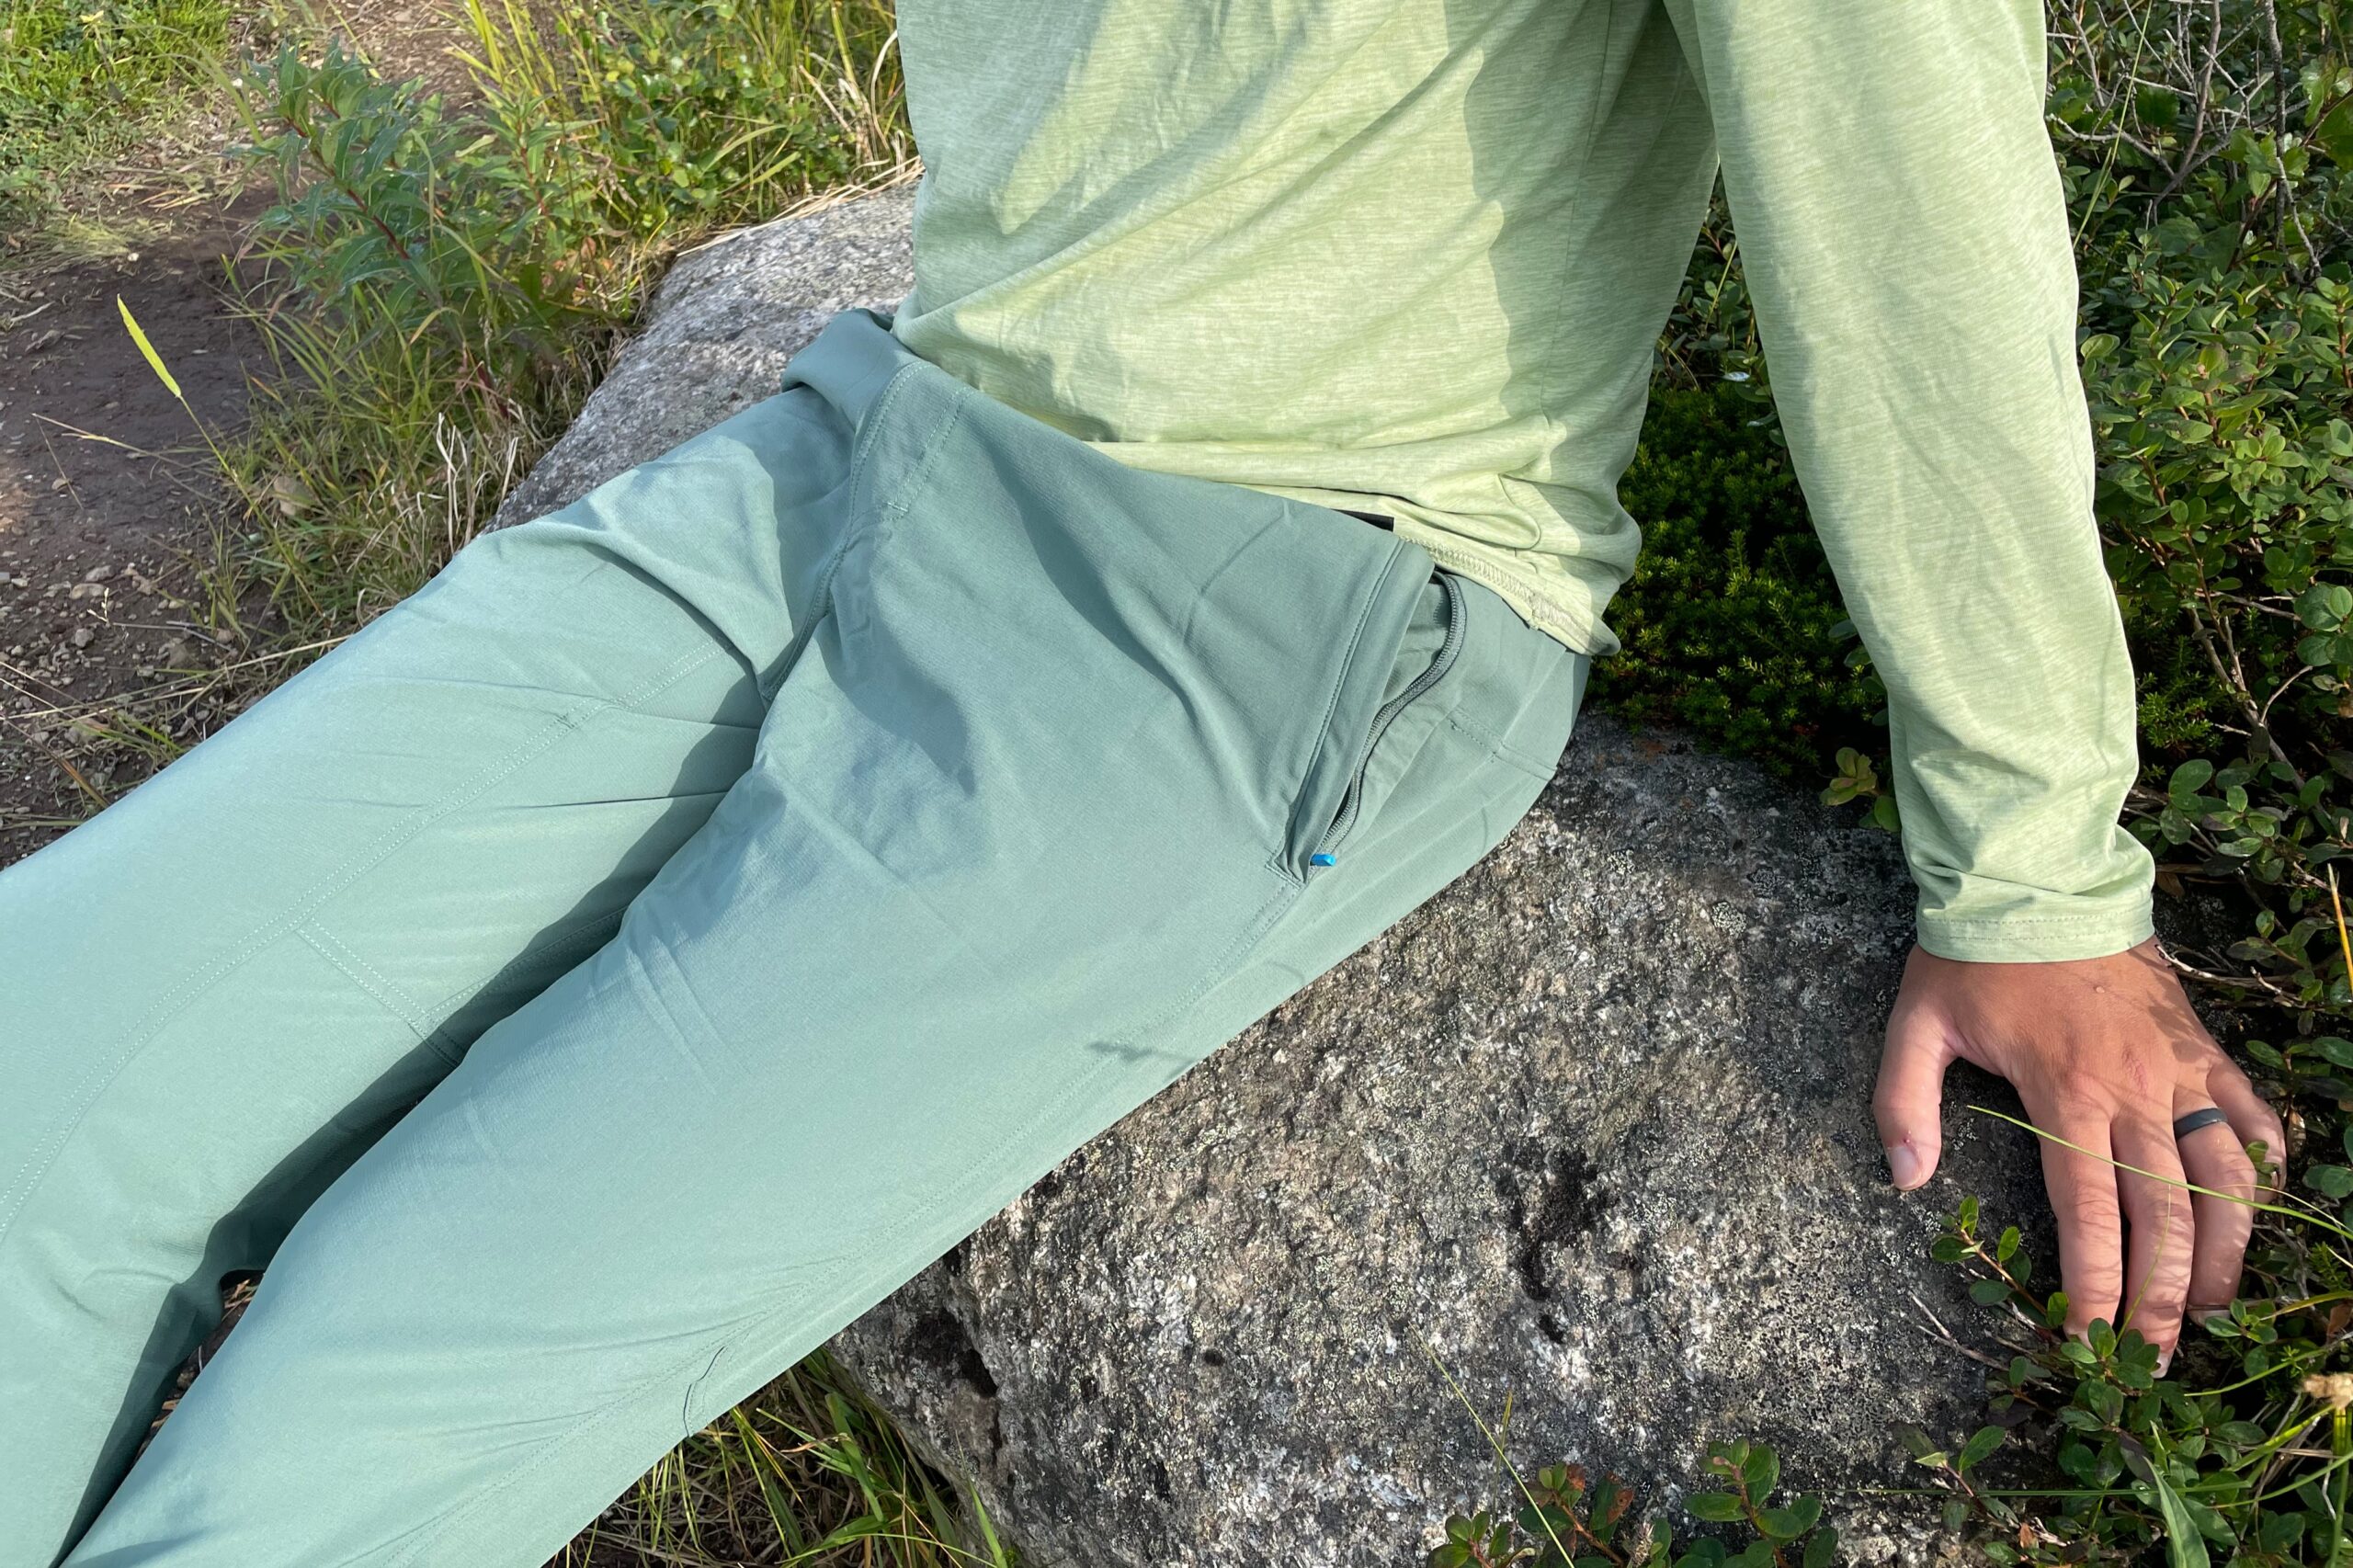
[(1906, 242)]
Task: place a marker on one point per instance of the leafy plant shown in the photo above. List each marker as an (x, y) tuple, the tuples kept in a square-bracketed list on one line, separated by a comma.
[(2254, 1465), (1731, 625), (442, 287), (808, 1472), (1567, 1522)]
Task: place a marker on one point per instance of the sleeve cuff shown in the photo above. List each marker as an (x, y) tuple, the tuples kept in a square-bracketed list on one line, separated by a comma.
[(2028, 938)]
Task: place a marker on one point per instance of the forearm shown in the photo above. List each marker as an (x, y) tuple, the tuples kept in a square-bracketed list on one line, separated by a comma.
[(1906, 242)]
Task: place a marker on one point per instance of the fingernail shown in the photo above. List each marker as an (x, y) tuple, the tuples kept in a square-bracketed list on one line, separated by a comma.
[(1904, 1166), (2165, 1359)]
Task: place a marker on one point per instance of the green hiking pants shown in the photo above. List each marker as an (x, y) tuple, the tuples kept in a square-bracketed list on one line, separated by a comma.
[(628, 960)]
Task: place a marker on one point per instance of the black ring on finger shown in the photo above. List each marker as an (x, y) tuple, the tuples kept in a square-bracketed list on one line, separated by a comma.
[(2205, 1115)]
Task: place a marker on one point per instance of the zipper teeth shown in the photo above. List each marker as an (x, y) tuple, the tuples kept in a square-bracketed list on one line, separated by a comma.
[(1387, 714)]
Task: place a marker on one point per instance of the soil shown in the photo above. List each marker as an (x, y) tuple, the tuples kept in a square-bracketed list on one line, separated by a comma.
[(107, 496)]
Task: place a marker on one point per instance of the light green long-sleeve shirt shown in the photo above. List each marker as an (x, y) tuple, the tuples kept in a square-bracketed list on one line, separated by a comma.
[(1413, 255)]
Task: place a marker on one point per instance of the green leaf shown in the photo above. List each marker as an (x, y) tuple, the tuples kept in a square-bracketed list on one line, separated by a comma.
[(147, 350), (2334, 135), (1989, 1292), (1716, 1507), (2178, 236), (2325, 605), (1974, 1451), (1822, 1550), (1787, 1524), (1609, 1506), (2336, 1181), (2184, 1546), (2157, 107)]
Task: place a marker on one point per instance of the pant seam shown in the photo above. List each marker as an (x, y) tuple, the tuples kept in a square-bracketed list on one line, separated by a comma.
[(363, 974), (1279, 860), (94, 1082), (555, 939), (869, 428), (910, 490), (1502, 751)]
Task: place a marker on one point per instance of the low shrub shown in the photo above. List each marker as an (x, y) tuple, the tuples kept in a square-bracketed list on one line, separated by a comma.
[(444, 283)]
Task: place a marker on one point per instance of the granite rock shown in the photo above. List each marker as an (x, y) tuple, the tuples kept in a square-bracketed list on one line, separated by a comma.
[(718, 330), (1590, 1131)]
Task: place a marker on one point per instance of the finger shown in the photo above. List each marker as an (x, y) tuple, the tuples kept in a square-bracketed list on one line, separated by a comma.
[(2252, 1118), (2091, 1228), (1909, 1102), (2159, 1260), (2211, 1157)]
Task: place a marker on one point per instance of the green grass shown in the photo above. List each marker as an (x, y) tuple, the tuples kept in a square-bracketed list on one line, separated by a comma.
[(80, 79), (447, 285), (805, 1473)]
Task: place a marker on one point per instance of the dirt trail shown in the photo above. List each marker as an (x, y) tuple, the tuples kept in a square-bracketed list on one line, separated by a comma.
[(105, 493), (109, 496)]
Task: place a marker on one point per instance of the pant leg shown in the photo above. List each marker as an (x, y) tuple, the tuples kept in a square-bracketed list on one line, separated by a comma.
[(1081, 769), (219, 991)]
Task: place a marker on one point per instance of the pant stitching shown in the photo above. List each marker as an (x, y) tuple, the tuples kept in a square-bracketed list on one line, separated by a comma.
[(363, 974), (1278, 861), (555, 939), (1502, 751), (820, 604), (94, 1083), (821, 601), (871, 426), (912, 489)]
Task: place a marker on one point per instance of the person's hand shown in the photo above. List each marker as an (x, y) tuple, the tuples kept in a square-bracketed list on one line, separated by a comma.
[(2106, 1054)]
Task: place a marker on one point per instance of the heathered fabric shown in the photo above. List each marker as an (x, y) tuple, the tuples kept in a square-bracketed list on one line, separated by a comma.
[(1414, 255)]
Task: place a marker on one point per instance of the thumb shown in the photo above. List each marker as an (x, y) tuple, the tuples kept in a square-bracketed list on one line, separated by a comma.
[(1909, 1103)]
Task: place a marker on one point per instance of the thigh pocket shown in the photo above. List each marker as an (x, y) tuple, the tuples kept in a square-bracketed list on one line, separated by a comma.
[(1357, 758)]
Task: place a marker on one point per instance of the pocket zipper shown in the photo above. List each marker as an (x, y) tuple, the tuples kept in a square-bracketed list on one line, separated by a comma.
[(1327, 849)]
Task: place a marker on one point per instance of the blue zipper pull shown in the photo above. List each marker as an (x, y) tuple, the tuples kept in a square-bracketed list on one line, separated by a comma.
[(1322, 860)]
